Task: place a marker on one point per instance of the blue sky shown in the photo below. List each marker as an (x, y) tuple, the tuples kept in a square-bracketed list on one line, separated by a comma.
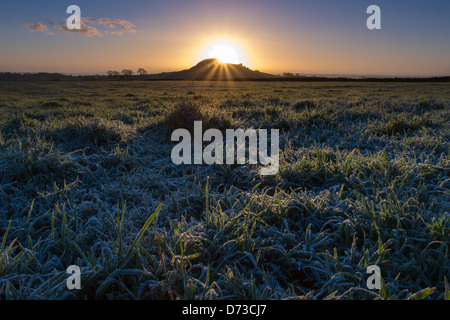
[(322, 36)]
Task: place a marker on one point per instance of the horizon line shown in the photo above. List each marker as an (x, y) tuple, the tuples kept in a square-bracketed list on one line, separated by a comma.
[(277, 75)]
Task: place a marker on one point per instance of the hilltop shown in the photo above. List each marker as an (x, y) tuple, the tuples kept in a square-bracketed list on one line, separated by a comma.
[(212, 69)]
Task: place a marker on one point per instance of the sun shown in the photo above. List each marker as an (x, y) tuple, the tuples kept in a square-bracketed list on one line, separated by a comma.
[(224, 53)]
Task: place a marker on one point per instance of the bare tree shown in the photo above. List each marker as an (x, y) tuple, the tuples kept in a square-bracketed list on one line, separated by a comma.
[(142, 71)]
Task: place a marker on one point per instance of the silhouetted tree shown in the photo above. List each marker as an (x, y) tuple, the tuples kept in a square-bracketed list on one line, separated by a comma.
[(142, 71), (127, 72), (112, 73)]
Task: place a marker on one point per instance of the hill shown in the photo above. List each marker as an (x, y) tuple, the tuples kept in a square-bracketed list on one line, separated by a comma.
[(212, 69)]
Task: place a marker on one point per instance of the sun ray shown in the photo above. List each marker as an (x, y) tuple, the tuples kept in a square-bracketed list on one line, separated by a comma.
[(227, 71), (211, 73)]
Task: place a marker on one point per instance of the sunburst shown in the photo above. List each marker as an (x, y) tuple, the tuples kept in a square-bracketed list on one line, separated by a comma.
[(224, 54)]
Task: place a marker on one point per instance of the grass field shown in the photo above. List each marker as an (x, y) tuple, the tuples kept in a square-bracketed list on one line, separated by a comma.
[(87, 179)]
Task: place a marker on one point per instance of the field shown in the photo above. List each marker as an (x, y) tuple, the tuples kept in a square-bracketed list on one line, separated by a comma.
[(87, 179)]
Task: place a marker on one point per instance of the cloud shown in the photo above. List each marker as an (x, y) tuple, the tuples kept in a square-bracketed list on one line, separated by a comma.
[(123, 25), (85, 30), (113, 27), (39, 27)]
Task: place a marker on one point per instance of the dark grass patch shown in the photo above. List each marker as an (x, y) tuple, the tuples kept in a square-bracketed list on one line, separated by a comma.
[(305, 104), (91, 132), (401, 126), (184, 114), (431, 105), (37, 163)]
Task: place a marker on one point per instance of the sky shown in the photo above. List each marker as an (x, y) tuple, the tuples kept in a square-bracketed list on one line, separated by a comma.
[(274, 36)]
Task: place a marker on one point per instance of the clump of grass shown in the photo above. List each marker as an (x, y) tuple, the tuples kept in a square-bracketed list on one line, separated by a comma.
[(36, 162), (431, 105), (18, 125), (314, 117), (304, 104), (52, 104), (93, 132), (183, 115), (400, 125)]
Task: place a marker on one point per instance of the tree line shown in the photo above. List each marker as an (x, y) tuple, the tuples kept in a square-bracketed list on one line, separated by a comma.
[(126, 72)]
